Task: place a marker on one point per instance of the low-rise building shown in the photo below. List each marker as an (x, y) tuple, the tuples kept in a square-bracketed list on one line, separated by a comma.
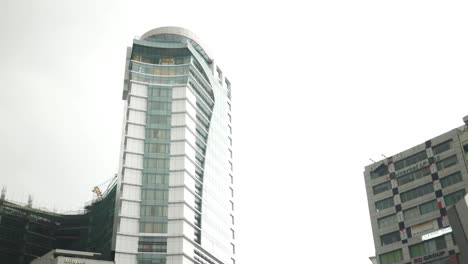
[(62, 256), (27, 233)]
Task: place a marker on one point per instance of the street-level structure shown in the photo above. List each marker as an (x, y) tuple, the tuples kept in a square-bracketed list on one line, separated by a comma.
[(62, 256), (175, 186), (408, 197)]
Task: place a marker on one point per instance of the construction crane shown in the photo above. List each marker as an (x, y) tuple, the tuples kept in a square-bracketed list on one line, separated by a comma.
[(97, 188), (98, 192)]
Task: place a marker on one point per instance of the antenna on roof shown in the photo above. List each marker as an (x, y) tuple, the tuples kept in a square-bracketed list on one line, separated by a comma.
[(2, 197), (30, 201), (372, 160), (384, 156)]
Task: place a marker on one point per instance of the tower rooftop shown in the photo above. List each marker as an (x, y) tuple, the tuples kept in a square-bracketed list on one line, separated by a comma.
[(176, 34)]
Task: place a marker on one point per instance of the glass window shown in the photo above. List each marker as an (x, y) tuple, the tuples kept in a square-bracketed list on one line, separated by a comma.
[(146, 246), (410, 177), (153, 227), (387, 221), (155, 178), (153, 210), (454, 197), (155, 91), (380, 171), (390, 238), (428, 207), (383, 204), (411, 213), (158, 133), (411, 160), (156, 148), (380, 188), (150, 258), (428, 247), (448, 162), (442, 147), (394, 257), (159, 119), (417, 192), (154, 195), (157, 105), (451, 179), (161, 164)]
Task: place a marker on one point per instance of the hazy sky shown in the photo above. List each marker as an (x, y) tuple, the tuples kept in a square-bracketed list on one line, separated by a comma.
[(319, 87)]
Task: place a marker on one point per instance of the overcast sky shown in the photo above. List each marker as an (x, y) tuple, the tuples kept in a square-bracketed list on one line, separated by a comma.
[(319, 87)]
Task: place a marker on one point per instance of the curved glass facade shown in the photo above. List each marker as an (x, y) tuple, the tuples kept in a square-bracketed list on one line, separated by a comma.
[(175, 200)]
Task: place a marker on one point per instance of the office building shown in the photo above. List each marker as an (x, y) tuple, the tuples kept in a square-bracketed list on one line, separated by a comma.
[(175, 194), (408, 197)]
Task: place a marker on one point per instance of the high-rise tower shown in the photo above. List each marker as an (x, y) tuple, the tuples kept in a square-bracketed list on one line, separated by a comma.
[(175, 193)]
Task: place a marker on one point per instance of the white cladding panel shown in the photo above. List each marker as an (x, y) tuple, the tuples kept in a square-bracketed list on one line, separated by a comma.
[(137, 103), (180, 178), (134, 160), (122, 258), (182, 133), (136, 131), (126, 244), (178, 92), (181, 148), (131, 192), (137, 117), (135, 145), (182, 163), (139, 89), (182, 119), (132, 176), (130, 209), (128, 226)]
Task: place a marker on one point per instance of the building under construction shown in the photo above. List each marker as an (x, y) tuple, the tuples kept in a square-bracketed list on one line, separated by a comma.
[(27, 233)]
